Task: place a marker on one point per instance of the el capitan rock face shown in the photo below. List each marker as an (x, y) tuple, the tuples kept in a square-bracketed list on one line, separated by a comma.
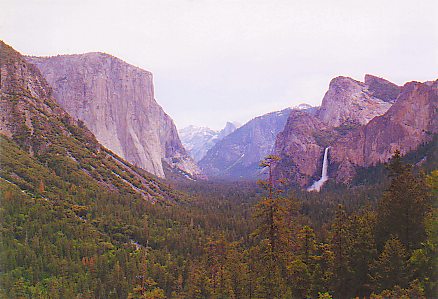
[(360, 128), (41, 136), (116, 102)]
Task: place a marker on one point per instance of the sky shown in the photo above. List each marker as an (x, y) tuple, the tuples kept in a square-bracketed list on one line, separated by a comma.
[(218, 61)]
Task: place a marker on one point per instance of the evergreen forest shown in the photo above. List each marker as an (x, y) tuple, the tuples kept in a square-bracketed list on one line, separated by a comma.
[(64, 236)]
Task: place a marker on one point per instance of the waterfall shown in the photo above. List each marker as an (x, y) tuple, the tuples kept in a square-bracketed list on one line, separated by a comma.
[(316, 186)]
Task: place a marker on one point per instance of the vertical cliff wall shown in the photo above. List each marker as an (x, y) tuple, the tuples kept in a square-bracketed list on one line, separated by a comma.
[(116, 102)]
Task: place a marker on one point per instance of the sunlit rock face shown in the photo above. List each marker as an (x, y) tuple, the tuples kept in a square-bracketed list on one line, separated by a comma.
[(116, 102), (350, 101)]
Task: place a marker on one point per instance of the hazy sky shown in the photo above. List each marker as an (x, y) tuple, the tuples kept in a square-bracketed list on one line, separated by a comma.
[(215, 61)]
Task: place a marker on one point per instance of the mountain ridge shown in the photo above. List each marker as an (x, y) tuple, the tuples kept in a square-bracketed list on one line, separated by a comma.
[(238, 155)]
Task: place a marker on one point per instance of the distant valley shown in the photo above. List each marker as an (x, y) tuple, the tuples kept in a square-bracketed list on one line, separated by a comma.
[(363, 123)]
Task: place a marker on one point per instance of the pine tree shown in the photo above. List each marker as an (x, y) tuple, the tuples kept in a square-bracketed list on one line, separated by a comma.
[(403, 207), (340, 243), (216, 252), (362, 250), (41, 187), (271, 213), (237, 272), (424, 260), (273, 234), (303, 268), (391, 268), (198, 284)]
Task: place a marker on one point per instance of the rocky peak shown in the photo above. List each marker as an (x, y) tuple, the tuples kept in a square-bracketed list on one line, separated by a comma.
[(198, 140), (410, 122), (382, 89), (350, 102), (116, 102), (229, 128)]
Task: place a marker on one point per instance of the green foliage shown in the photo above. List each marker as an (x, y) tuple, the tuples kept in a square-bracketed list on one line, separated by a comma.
[(414, 291), (402, 210), (391, 268), (341, 246), (65, 235), (324, 295)]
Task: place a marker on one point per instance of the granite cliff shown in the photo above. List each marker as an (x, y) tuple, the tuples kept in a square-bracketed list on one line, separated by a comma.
[(299, 147), (363, 123), (42, 144), (411, 121), (350, 102), (115, 100)]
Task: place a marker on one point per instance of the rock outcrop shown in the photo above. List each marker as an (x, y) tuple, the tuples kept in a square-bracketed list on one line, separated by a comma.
[(116, 102), (350, 102), (381, 88), (229, 128), (299, 148)]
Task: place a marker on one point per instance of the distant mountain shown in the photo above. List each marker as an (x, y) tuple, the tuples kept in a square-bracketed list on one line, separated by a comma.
[(198, 140), (116, 102), (45, 151), (238, 155), (229, 128), (363, 123)]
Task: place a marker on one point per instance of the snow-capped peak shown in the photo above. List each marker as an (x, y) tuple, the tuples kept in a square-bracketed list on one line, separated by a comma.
[(198, 140), (302, 106)]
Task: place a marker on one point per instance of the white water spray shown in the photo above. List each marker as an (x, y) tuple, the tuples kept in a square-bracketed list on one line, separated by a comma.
[(316, 186)]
